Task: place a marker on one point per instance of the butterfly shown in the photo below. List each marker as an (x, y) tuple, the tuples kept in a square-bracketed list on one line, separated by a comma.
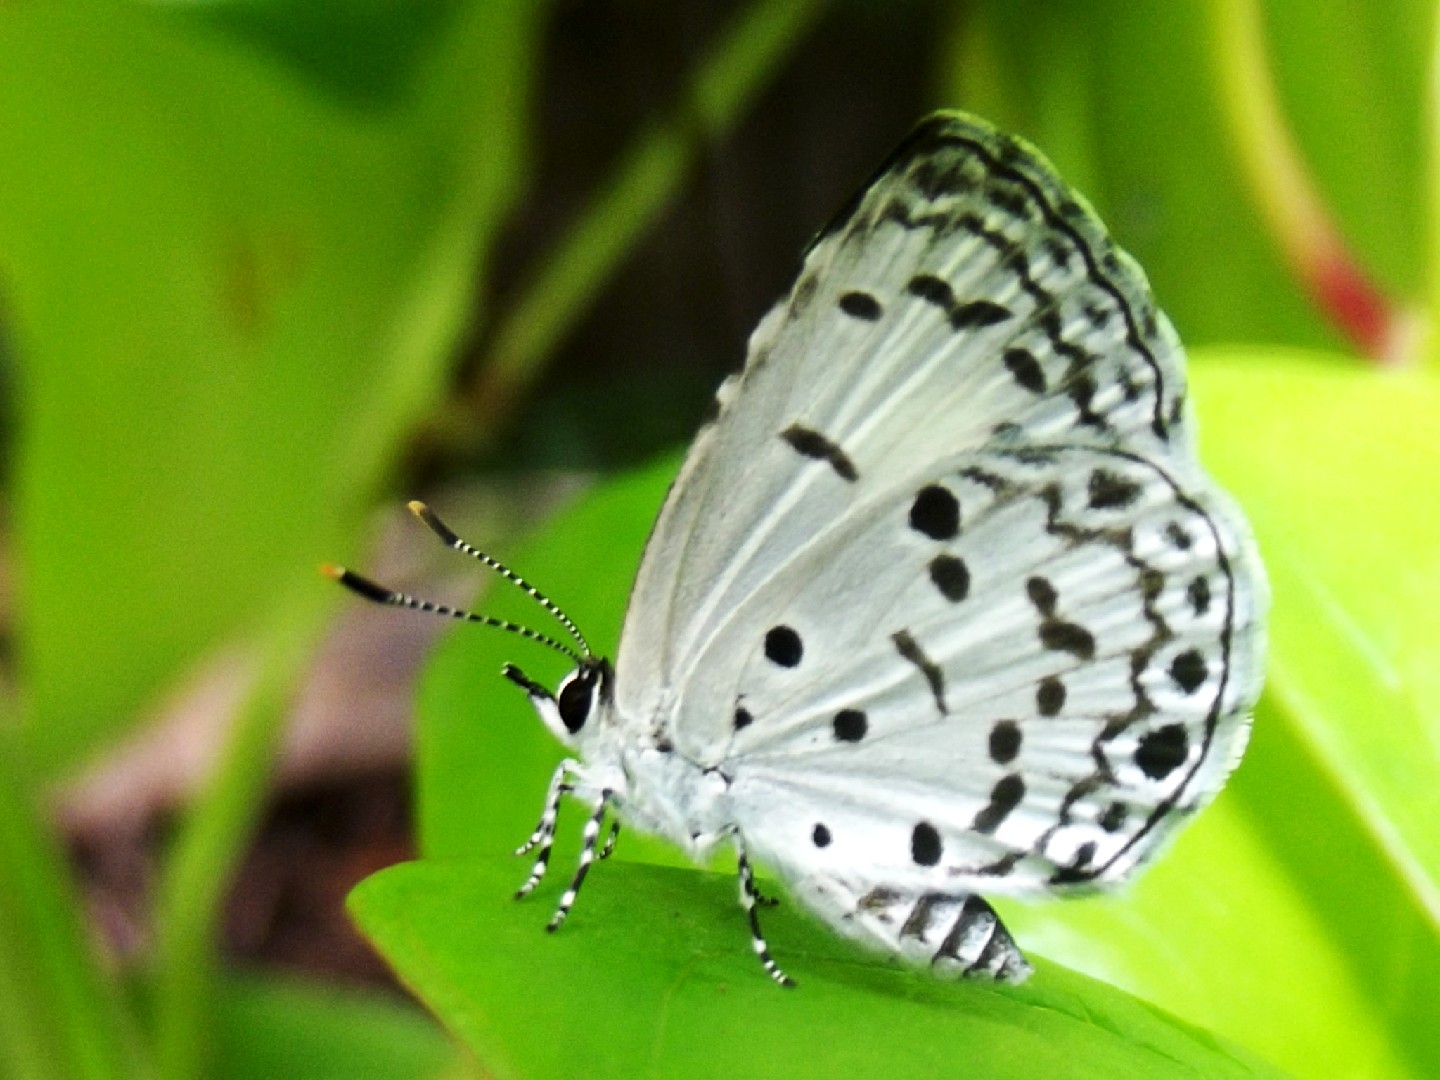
[(941, 602)]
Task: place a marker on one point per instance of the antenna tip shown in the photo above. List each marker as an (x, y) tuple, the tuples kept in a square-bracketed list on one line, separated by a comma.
[(330, 570), (418, 508)]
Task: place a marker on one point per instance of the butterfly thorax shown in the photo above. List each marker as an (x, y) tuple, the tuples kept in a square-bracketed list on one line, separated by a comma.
[(655, 788)]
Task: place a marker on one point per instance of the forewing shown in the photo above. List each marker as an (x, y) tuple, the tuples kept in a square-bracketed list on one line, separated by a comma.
[(967, 298)]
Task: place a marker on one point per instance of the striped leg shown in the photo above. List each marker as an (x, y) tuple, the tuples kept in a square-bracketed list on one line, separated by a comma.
[(587, 856), (544, 834), (748, 900), (609, 847)]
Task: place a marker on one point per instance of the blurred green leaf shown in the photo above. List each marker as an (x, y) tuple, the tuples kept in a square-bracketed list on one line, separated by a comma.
[(280, 1028), (655, 972), (232, 293), (61, 1017), (1122, 97)]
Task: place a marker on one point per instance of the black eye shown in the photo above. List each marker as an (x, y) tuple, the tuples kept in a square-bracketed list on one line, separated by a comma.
[(576, 698)]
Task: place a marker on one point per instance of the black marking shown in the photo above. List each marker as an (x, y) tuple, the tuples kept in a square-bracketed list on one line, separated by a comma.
[(1001, 866), (1198, 594), (810, 443), (820, 836), (1050, 695), (979, 314), (935, 513), (1111, 491), (1162, 751), (933, 290), (1057, 634), (665, 746), (1005, 741), (1079, 869), (918, 921), (850, 725), (1007, 793), (1189, 670), (976, 314), (910, 649), (861, 305), (920, 154), (1176, 534), (1113, 819), (985, 479), (925, 844), (1011, 201), (1152, 584), (783, 646), (1021, 364), (1082, 390), (743, 719), (1060, 636), (1042, 594), (950, 575)]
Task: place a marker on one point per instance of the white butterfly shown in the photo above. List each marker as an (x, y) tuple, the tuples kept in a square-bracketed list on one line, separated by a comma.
[(941, 602)]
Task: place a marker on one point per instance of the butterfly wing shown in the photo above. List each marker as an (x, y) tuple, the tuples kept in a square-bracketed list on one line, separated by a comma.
[(1047, 678), (967, 295), (942, 588)]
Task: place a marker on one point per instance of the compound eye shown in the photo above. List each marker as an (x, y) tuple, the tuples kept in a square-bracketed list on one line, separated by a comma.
[(576, 698)]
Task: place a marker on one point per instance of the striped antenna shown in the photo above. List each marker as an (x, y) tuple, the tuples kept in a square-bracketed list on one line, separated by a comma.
[(444, 532), (363, 586)]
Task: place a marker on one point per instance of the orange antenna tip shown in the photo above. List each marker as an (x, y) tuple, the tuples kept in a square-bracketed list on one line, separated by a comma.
[(330, 570)]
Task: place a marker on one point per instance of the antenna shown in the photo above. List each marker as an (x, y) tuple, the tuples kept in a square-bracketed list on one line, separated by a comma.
[(443, 531), (370, 590)]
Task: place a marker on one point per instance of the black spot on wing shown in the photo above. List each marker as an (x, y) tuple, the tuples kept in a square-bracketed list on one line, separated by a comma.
[(1162, 751), (850, 725), (1005, 739), (1025, 369), (1189, 670), (925, 846), (1111, 491), (935, 513), (1198, 593), (909, 648), (1050, 696), (1007, 793), (812, 444), (783, 646), (971, 315), (861, 305), (951, 576)]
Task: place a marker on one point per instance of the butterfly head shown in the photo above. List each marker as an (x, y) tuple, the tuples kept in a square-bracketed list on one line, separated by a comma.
[(571, 712), (568, 712)]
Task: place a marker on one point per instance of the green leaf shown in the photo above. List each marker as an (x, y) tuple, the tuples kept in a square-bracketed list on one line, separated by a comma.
[(1338, 467), (1123, 97), (288, 1027), (233, 291), (61, 1017), (654, 977)]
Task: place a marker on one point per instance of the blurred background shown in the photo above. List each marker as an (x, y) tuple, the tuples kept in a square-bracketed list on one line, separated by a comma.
[(268, 269)]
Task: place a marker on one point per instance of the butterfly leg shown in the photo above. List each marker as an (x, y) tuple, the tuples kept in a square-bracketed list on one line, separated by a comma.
[(587, 856), (609, 847), (544, 834), (748, 900)]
